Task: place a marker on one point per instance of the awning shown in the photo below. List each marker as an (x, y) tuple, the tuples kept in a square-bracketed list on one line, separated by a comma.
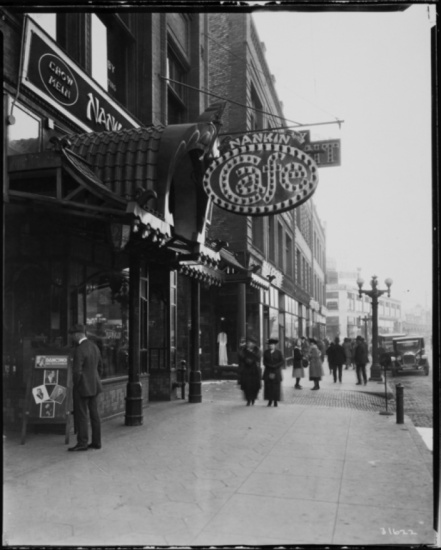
[(148, 176), (235, 272)]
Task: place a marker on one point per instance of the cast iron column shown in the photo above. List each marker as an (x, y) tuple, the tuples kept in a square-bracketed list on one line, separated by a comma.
[(195, 377), (133, 415), (375, 367), (241, 310), (374, 294)]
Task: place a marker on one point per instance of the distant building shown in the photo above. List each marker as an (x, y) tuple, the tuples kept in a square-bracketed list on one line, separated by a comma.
[(418, 321), (348, 314)]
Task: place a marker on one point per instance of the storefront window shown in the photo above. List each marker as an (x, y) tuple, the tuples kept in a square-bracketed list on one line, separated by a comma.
[(104, 304), (24, 133)]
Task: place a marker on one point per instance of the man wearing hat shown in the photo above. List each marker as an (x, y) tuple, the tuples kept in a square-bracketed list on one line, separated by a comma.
[(361, 358), (87, 369), (249, 372), (273, 361)]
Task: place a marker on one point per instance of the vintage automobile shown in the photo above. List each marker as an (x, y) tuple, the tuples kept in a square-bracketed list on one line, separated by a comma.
[(409, 355)]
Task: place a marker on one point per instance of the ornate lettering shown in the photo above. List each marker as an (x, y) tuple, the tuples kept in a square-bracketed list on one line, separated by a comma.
[(97, 114), (261, 178)]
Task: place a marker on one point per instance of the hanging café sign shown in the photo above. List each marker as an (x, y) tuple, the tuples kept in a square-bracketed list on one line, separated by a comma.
[(262, 174)]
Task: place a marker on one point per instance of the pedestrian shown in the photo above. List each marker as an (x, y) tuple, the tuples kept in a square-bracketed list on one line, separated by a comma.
[(361, 359), (273, 362), (347, 346), (250, 372), (87, 369), (297, 369), (315, 364), (304, 346), (336, 358)]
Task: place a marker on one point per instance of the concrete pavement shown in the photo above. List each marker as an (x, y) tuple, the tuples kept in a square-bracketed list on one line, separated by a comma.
[(221, 473)]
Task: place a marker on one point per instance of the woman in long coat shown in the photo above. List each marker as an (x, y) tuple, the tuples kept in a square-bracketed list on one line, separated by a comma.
[(315, 364), (273, 362), (250, 373), (297, 369)]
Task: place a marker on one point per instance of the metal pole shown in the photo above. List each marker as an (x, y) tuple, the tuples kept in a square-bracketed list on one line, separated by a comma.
[(375, 367), (134, 415), (195, 378), (400, 408), (386, 412)]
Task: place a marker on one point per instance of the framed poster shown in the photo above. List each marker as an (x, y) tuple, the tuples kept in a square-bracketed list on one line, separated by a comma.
[(48, 397)]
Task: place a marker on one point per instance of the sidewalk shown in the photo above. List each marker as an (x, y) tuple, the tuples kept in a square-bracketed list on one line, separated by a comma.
[(221, 473)]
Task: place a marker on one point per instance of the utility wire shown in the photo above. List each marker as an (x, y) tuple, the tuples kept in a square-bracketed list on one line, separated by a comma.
[(243, 60), (297, 124), (339, 122), (229, 100)]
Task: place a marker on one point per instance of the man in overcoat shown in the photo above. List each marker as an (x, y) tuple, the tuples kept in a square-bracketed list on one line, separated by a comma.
[(87, 370), (273, 361), (336, 358), (361, 359), (249, 372)]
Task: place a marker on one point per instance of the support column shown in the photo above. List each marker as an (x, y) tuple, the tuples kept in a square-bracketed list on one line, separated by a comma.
[(241, 310), (134, 414), (195, 377), (375, 367)]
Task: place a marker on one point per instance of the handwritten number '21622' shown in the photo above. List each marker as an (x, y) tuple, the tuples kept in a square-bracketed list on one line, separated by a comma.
[(390, 531)]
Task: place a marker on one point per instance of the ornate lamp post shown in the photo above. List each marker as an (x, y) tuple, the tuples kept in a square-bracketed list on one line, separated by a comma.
[(374, 294), (365, 320)]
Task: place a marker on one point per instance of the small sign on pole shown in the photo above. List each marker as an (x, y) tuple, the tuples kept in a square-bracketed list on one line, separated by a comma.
[(48, 398)]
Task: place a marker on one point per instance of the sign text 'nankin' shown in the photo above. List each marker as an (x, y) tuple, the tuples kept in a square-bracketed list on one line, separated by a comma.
[(261, 174)]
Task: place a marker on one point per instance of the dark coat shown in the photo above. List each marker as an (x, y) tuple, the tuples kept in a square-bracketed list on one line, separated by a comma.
[(249, 372), (87, 368), (297, 368), (361, 353), (273, 363), (336, 355)]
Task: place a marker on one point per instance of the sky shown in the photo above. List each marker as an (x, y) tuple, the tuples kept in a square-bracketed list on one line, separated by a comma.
[(371, 70)]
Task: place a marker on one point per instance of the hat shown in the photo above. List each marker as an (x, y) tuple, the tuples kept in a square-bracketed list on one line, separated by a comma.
[(77, 329), (359, 337), (250, 338), (273, 341)]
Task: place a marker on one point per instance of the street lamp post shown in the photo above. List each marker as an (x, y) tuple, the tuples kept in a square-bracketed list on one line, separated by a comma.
[(365, 320), (374, 294)]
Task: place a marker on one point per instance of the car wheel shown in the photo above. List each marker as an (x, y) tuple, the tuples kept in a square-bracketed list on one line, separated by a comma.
[(426, 372)]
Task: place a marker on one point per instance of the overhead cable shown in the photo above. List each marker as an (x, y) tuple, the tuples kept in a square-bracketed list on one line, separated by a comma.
[(297, 124)]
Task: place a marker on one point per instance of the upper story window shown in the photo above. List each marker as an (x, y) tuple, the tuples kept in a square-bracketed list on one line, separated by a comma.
[(47, 21), (289, 257), (271, 244), (177, 72), (258, 232), (256, 115), (281, 248), (110, 45)]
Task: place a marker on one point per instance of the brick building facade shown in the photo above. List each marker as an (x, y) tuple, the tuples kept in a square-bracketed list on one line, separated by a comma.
[(286, 250)]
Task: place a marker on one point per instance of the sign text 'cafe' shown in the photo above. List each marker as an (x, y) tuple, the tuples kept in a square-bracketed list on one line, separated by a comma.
[(262, 174)]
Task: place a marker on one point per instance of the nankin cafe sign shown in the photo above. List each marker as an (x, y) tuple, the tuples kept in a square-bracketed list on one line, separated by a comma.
[(262, 174), (51, 74)]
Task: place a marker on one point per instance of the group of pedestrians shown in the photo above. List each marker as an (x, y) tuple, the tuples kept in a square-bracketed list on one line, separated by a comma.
[(309, 354), (250, 373), (349, 353)]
